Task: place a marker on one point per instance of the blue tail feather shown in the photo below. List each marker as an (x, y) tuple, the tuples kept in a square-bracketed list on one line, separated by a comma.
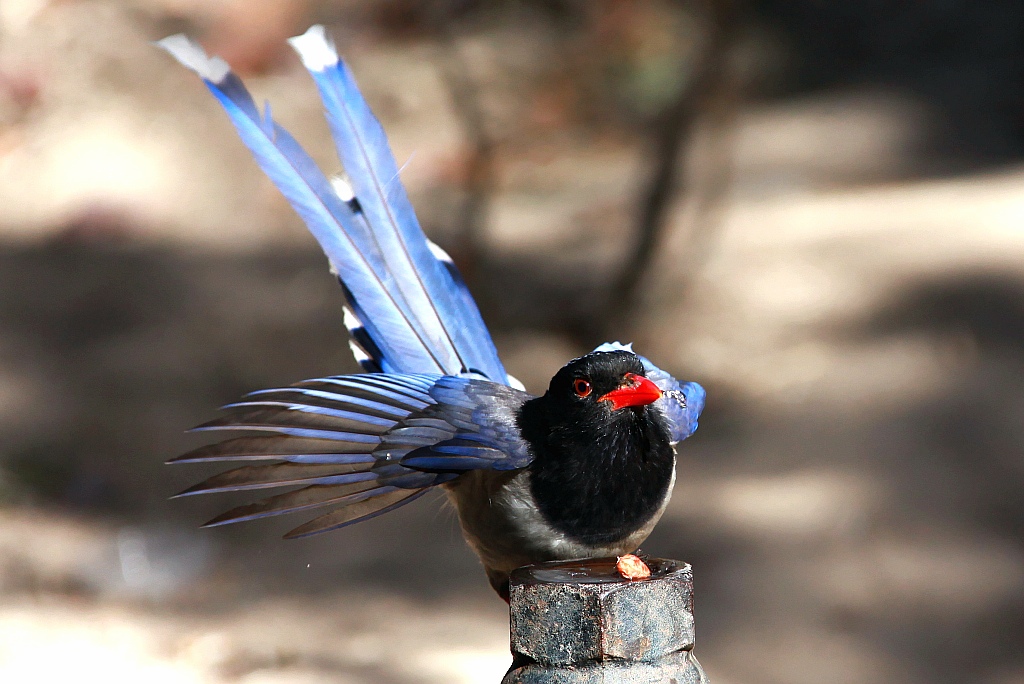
[(409, 328), (451, 319)]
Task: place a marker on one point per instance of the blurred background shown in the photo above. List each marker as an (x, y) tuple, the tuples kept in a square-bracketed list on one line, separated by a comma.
[(815, 209)]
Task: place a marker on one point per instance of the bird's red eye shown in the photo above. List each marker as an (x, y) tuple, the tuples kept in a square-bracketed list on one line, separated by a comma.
[(581, 387)]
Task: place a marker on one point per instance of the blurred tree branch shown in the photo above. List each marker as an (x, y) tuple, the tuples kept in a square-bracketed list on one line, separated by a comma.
[(479, 174), (672, 130)]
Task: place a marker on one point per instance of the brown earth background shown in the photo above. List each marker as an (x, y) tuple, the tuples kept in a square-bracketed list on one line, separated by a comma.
[(814, 209)]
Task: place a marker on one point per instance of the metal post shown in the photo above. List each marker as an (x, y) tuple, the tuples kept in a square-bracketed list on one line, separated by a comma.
[(580, 622)]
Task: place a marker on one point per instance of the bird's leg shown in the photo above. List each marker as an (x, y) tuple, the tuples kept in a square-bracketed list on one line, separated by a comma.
[(632, 568)]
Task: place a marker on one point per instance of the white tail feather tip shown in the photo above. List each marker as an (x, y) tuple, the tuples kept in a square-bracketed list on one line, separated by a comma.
[(342, 188), (352, 322), (315, 49), (439, 253), (358, 352), (192, 56)]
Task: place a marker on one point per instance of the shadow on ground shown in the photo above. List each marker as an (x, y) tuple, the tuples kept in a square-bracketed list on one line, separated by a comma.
[(109, 351)]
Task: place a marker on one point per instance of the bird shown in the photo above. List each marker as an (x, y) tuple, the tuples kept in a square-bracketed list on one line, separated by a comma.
[(583, 471)]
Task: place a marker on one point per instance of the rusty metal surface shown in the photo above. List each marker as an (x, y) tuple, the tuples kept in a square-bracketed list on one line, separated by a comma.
[(678, 668), (581, 622)]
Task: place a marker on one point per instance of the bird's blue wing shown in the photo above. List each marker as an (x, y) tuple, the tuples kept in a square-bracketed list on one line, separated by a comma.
[(324, 437), (681, 403), (408, 314), (361, 445), (485, 435)]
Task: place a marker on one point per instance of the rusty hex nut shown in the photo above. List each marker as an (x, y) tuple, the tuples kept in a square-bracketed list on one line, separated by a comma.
[(568, 613)]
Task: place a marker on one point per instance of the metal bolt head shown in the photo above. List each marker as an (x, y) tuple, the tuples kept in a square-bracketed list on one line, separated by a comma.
[(566, 613)]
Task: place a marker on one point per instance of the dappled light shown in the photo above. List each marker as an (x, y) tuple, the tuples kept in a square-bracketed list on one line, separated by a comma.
[(839, 261)]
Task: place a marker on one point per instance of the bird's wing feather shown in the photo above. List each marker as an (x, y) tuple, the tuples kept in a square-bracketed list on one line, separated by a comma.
[(324, 436), (360, 444), (681, 403), (484, 433), (407, 314)]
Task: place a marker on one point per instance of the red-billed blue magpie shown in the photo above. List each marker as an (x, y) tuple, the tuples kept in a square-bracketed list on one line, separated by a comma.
[(583, 471)]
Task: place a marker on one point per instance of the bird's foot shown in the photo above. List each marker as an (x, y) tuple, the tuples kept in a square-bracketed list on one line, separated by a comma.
[(632, 568)]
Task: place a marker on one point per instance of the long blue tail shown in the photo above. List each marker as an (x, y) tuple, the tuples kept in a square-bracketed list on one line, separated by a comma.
[(410, 311)]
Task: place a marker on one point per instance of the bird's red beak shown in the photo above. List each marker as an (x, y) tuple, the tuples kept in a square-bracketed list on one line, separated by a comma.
[(636, 391)]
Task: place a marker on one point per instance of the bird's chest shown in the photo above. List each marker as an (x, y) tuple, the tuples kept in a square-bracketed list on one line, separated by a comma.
[(605, 499), (506, 526)]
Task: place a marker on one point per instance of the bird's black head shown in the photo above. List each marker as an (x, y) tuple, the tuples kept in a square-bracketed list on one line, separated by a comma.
[(595, 386), (602, 454)]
